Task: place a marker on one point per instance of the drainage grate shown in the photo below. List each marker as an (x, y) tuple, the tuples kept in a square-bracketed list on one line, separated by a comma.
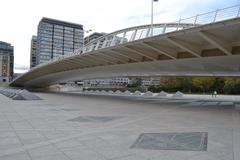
[(99, 119), (190, 141)]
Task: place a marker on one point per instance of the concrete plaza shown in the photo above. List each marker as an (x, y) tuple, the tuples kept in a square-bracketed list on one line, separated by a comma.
[(72, 126)]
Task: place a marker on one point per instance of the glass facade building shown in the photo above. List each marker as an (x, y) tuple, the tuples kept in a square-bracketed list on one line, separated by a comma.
[(33, 54), (6, 61), (93, 37), (56, 38)]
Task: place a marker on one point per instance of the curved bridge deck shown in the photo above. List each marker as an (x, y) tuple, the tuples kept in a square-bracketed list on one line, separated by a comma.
[(207, 50)]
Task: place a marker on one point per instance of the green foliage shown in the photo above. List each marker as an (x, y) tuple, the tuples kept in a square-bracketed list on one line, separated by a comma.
[(198, 85), (203, 83), (155, 89), (232, 85), (137, 83)]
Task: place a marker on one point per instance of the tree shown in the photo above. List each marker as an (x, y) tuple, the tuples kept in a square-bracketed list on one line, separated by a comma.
[(204, 83), (168, 83), (231, 86), (218, 84), (136, 83), (198, 84), (184, 84)]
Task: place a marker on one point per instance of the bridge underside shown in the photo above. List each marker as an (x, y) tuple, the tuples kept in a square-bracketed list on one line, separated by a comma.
[(214, 66), (208, 50)]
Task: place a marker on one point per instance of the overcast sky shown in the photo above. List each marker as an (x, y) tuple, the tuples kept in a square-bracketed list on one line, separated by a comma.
[(19, 18)]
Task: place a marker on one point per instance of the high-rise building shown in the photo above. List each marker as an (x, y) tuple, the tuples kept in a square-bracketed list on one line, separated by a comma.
[(6, 61), (56, 38), (33, 53), (93, 36)]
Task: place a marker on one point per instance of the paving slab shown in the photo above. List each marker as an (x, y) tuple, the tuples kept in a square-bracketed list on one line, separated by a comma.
[(76, 126), (18, 156)]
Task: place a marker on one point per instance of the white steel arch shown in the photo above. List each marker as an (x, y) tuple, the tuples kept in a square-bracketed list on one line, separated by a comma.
[(205, 44)]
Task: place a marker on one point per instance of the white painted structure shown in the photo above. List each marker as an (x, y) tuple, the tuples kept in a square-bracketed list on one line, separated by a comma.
[(116, 81), (203, 45)]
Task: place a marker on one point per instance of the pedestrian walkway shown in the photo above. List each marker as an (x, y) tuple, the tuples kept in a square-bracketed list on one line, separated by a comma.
[(75, 126)]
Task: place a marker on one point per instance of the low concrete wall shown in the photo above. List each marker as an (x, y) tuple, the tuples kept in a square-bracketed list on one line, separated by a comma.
[(58, 88)]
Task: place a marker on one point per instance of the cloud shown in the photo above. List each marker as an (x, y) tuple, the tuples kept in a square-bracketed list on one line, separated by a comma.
[(20, 22), (19, 68)]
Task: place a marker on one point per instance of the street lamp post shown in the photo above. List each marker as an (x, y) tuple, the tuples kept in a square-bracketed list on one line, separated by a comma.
[(152, 1)]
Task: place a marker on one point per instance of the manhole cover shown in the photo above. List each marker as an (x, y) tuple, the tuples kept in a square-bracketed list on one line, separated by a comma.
[(191, 141), (101, 119)]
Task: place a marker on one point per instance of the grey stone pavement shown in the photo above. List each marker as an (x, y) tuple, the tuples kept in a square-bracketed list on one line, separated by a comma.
[(87, 127)]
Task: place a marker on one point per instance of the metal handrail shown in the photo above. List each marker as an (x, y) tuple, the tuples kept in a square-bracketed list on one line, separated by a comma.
[(199, 19), (111, 39), (121, 36)]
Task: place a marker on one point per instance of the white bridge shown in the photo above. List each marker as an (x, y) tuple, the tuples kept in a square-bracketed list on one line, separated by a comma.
[(204, 45)]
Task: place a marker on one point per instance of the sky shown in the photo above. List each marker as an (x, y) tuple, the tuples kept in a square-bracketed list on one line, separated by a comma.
[(19, 18)]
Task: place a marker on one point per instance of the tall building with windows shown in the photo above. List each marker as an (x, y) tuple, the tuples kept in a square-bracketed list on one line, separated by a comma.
[(93, 36), (56, 38), (6, 61), (33, 53)]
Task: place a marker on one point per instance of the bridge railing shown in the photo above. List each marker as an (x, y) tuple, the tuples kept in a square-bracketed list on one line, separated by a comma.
[(214, 16), (136, 33), (132, 34), (145, 31)]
